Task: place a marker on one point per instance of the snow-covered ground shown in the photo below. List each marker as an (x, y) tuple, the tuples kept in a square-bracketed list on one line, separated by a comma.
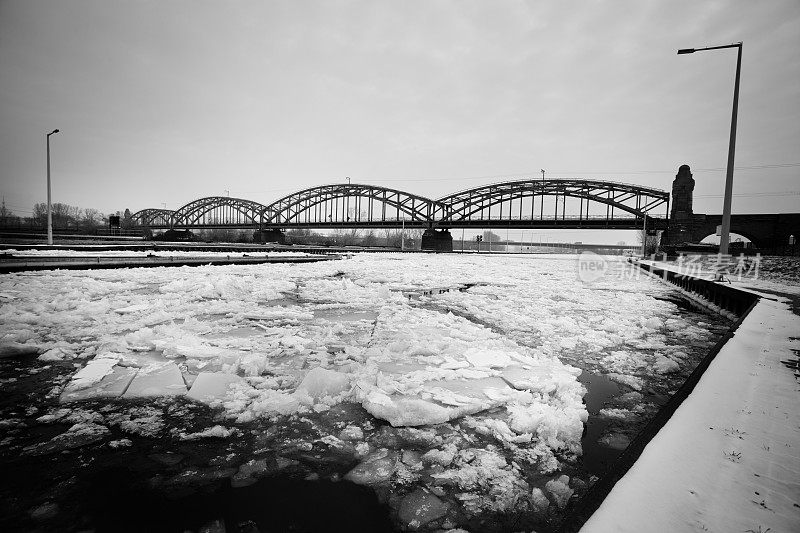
[(448, 384), (728, 458)]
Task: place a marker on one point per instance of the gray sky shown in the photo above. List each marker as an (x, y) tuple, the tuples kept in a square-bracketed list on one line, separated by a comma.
[(165, 102)]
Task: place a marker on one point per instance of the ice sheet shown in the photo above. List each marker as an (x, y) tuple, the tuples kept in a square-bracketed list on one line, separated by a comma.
[(213, 386), (160, 381), (111, 385)]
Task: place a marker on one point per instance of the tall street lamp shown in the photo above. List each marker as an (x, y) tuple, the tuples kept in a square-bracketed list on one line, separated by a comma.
[(49, 205), (725, 237), (541, 207)]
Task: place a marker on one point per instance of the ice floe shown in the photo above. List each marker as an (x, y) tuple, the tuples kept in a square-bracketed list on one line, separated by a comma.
[(479, 384)]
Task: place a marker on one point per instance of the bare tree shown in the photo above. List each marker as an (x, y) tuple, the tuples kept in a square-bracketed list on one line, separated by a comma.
[(369, 239), (91, 218), (650, 242), (7, 218), (347, 237)]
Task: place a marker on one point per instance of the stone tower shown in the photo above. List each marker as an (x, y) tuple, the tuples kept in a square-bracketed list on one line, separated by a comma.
[(680, 217)]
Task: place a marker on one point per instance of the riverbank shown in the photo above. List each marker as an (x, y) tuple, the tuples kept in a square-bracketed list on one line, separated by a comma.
[(728, 458)]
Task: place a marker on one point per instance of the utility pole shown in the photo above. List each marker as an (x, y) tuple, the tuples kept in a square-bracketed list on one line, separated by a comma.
[(644, 237), (541, 206), (49, 204)]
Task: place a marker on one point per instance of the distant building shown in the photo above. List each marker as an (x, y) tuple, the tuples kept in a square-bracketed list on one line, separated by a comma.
[(622, 243)]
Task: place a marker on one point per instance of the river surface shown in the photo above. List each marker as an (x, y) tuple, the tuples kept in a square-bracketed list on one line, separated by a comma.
[(273, 453)]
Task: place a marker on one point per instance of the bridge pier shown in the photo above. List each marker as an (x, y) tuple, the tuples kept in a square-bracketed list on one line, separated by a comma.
[(681, 216), (174, 235), (437, 240), (269, 235)]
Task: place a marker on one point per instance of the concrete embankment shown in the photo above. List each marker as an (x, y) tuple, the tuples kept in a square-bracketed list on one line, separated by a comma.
[(724, 455)]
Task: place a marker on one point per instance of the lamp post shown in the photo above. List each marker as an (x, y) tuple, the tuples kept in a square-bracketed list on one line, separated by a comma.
[(541, 207), (49, 204), (726, 206)]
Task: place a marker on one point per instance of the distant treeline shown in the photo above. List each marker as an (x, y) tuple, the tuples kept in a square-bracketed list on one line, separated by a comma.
[(411, 239), (65, 218)]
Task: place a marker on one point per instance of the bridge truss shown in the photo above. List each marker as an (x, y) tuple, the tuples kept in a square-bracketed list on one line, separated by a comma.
[(351, 205), (155, 218), (219, 212), (548, 203), (562, 203)]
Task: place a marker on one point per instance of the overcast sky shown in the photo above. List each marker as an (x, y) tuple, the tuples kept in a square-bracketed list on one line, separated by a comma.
[(164, 102)]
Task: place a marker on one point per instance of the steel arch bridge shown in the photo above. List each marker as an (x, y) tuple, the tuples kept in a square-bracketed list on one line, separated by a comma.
[(531, 203), (155, 218), (219, 212), (543, 203), (352, 205)]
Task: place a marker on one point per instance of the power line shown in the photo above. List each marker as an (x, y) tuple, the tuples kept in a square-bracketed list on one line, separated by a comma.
[(751, 194), (562, 173)]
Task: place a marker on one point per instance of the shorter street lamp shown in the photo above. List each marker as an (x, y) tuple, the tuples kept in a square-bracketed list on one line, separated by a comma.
[(726, 206), (49, 204)]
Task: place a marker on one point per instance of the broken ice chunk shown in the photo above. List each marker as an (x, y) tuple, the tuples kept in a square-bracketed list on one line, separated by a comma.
[(539, 500), (487, 358), (352, 432), (217, 431), (320, 382), (94, 371), (402, 410), (111, 385), (470, 395), (279, 313), (132, 309), (293, 341), (537, 378), (56, 354), (616, 441), (16, 349), (376, 468), (559, 490), (163, 381), (419, 508), (77, 436), (636, 383), (392, 367), (662, 365), (211, 386)]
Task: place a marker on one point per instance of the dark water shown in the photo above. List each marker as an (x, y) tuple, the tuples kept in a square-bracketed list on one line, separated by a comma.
[(162, 483), (596, 457), (117, 502)]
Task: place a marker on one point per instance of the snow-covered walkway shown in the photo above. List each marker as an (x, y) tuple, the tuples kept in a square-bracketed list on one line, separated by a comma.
[(729, 458)]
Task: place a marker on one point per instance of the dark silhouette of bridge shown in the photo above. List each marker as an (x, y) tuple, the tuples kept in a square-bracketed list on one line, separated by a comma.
[(523, 204)]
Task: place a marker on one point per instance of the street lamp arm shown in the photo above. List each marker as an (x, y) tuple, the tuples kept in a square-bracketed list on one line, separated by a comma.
[(693, 50)]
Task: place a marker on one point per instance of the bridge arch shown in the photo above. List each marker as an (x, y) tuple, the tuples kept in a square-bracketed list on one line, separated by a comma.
[(219, 211), (153, 217), (478, 202), (351, 204)]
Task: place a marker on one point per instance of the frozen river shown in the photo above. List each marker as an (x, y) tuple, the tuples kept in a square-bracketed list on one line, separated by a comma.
[(383, 391)]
